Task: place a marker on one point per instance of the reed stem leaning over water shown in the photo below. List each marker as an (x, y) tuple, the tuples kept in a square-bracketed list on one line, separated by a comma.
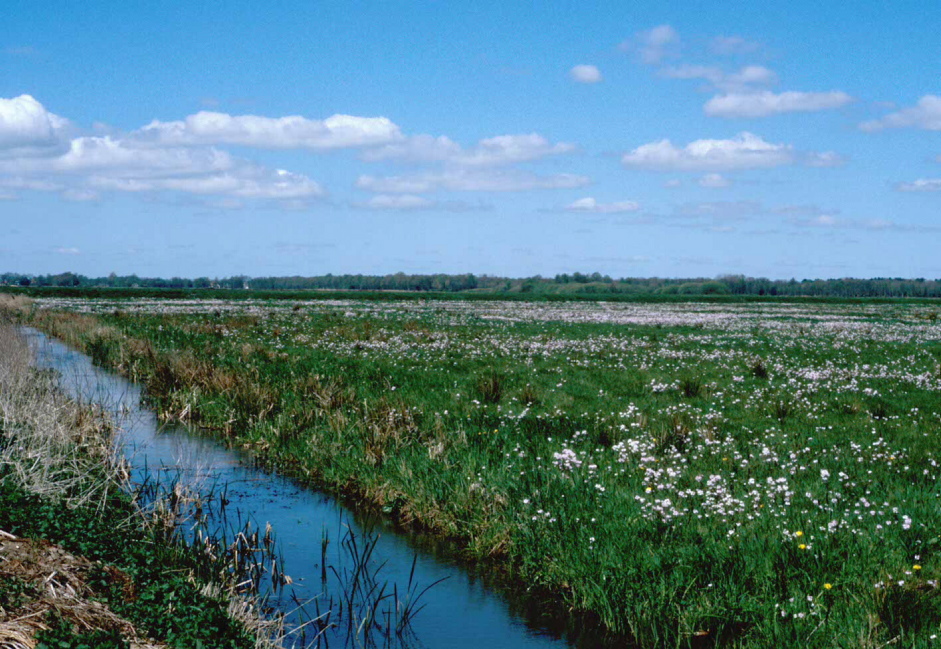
[(54, 446)]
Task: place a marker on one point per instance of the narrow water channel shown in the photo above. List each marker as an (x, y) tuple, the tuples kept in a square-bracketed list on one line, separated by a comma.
[(460, 612)]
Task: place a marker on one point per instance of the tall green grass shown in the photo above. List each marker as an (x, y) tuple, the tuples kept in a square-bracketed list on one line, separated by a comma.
[(739, 475)]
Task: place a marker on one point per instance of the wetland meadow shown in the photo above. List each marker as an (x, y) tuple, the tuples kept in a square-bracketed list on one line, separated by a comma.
[(735, 474)]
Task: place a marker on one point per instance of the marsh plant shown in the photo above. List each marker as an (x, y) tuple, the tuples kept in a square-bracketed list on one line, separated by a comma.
[(357, 606), (664, 481), (64, 581)]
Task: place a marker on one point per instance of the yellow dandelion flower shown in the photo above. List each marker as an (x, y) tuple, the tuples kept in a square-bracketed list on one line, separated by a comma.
[(827, 586), (916, 567), (801, 547), (798, 534)]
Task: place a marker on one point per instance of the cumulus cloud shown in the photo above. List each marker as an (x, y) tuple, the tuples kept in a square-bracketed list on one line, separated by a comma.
[(80, 195), (721, 210), (93, 164), (762, 104), (413, 203), (29, 183), (730, 45), (291, 132), (654, 44), (478, 168), (469, 180), (714, 181), (744, 151), (713, 216), (592, 206), (926, 114), (835, 222), (824, 159), (21, 50), (921, 185), (746, 78), (585, 74), (490, 152), (125, 159), (27, 128), (398, 202), (244, 182)]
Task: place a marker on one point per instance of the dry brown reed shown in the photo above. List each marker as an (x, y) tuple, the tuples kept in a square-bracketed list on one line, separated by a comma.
[(52, 445), (58, 448)]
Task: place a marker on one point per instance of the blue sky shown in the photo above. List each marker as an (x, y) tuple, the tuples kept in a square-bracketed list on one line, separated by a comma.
[(634, 139)]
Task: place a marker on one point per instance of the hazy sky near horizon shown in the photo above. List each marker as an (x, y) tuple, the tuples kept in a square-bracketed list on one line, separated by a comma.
[(798, 139)]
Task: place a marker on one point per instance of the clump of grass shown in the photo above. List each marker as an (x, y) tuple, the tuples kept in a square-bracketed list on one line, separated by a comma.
[(529, 395), (781, 408), (490, 387), (759, 370), (692, 387)]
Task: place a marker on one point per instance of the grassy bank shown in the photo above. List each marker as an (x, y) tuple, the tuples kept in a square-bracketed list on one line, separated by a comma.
[(79, 565), (733, 474)]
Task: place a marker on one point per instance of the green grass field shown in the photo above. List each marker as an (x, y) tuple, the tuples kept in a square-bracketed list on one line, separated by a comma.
[(693, 474)]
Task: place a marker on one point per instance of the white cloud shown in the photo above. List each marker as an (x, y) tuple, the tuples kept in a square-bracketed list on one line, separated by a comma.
[(469, 180), (921, 185), (824, 159), (762, 104), (745, 79), (398, 202), (107, 163), (835, 222), (821, 221), (729, 45), (710, 73), (654, 45), (66, 251), (125, 159), (585, 74), (28, 183), (751, 75), (21, 50), (413, 203), (80, 195), (714, 181), (721, 211), (291, 132), (490, 152), (744, 151), (926, 114), (27, 128), (36, 154), (590, 205), (249, 182)]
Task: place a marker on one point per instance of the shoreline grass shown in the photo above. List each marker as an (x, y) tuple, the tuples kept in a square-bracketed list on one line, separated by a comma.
[(80, 565), (737, 474)]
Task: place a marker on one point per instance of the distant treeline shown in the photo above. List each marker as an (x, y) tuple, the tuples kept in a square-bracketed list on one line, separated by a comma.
[(575, 284)]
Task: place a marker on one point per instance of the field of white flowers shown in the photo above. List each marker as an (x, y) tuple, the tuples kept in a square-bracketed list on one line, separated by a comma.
[(759, 474)]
